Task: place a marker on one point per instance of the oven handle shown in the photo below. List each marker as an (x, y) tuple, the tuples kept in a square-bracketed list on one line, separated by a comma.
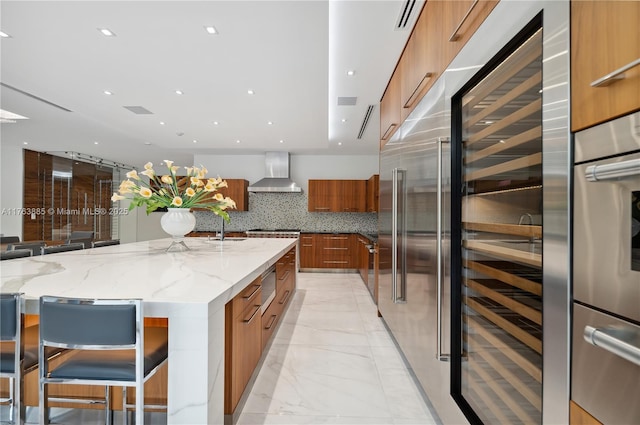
[(595, 173), (606, 339)]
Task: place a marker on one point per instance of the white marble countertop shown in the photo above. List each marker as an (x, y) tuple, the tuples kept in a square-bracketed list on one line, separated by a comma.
[(189, 288), (212, 271)]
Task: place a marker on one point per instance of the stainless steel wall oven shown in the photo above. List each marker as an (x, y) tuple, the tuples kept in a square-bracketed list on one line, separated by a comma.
[(606, 269)]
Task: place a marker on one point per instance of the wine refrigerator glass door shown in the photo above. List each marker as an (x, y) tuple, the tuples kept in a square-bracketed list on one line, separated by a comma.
[(499, 280)]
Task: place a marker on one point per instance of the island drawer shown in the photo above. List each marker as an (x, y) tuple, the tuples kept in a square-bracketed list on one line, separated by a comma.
[(248, 296)]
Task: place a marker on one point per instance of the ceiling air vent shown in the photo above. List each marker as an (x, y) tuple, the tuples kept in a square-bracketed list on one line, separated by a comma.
[(347, 101), (139, 110), (365, 121), (405, 14), (33, 96)]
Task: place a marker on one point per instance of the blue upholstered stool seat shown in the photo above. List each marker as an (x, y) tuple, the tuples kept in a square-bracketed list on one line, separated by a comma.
[(114, 364)]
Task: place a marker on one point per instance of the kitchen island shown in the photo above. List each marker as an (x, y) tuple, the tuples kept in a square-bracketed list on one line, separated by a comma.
[(189, 288)]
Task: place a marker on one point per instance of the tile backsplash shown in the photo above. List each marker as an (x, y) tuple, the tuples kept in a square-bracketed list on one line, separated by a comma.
[(287, 211)]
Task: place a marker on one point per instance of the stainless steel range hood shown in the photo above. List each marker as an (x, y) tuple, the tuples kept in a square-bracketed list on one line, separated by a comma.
[(276, 175)]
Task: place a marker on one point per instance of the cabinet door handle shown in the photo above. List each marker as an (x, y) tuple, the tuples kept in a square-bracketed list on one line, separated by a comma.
[(285, 297), (271, 320), (251, 295), (614, 76), (253, 315), (285, 275), (322, 208), (616, 170), (455, 36), (615, 341), (414, 95), (387, 133)]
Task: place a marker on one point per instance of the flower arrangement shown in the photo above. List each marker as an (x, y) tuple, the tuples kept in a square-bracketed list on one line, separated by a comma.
[(191, 191)]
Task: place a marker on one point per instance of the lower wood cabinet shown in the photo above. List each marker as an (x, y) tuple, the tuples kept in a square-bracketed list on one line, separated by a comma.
[(248, 329), (243, 342), (329, 251)]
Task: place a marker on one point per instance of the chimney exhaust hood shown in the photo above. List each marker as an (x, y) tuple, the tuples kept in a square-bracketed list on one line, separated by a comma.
[(276, 175)]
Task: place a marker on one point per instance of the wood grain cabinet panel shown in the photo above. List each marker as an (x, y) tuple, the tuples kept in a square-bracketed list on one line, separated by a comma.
[(373, 193), (461, 19), (390, 107), (422, 60), (243, 343), (579, 416), (337, 196), (604, 38)]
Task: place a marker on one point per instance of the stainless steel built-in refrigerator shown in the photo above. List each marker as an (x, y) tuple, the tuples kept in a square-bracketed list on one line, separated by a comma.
[(414, 287)]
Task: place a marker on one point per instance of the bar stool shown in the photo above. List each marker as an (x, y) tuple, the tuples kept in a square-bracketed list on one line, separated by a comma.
[(98, 244), (16, 253), (12, 352), (62, 248), (109, 344)]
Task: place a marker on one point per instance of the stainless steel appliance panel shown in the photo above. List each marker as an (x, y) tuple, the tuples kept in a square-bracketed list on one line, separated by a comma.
[(603, 383), (606, 253), (414, 287)]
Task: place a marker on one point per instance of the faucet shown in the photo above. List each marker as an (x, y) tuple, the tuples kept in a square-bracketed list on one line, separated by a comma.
[(523, 216), (221, 228)]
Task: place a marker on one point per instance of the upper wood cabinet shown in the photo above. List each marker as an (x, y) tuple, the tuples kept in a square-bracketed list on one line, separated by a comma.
[(337, 195), (422, 60), (237, 191), (390, 115), (442, 29), (604, 39), (373, 193), (461, 19)]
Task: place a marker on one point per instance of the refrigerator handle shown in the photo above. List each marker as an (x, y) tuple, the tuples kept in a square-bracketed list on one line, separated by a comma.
[(398, 294), (440, 266)]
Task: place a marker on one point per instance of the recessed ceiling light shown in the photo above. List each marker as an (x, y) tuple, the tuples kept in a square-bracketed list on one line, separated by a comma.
[(195, 141), (107, 32), (351, 73), (95, 143), (269, 123), (237, 141), (179, 92), (250, 91), (161, 122), (211, 29), (107, 92), (339, 143), (281, 141), (216, 123), (344, 120), (4, 34), (25, 143), (147, 143)]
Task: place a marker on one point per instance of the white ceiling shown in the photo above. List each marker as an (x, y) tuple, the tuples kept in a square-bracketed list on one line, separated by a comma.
[(294, 54)]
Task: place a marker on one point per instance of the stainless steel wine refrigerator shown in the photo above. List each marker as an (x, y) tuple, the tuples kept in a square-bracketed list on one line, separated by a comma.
[(474, 219)]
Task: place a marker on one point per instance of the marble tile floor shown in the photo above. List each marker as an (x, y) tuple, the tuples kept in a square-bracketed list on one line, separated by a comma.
[(331, 361)]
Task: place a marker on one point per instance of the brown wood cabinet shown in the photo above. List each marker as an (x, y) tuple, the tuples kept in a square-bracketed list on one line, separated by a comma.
[(243, 342), (337, 196), (237, 191), (390, 114), (461, 20), (579, 416), (442, 29), (285, 287), (248, 329), (329, 251), (373, 193), (422, 60), (604, 38)]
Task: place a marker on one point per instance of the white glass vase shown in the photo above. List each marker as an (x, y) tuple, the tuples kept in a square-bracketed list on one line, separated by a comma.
[(178, 222)]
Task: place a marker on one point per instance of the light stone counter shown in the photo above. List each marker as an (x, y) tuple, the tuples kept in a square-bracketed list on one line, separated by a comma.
[(189, 288)]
